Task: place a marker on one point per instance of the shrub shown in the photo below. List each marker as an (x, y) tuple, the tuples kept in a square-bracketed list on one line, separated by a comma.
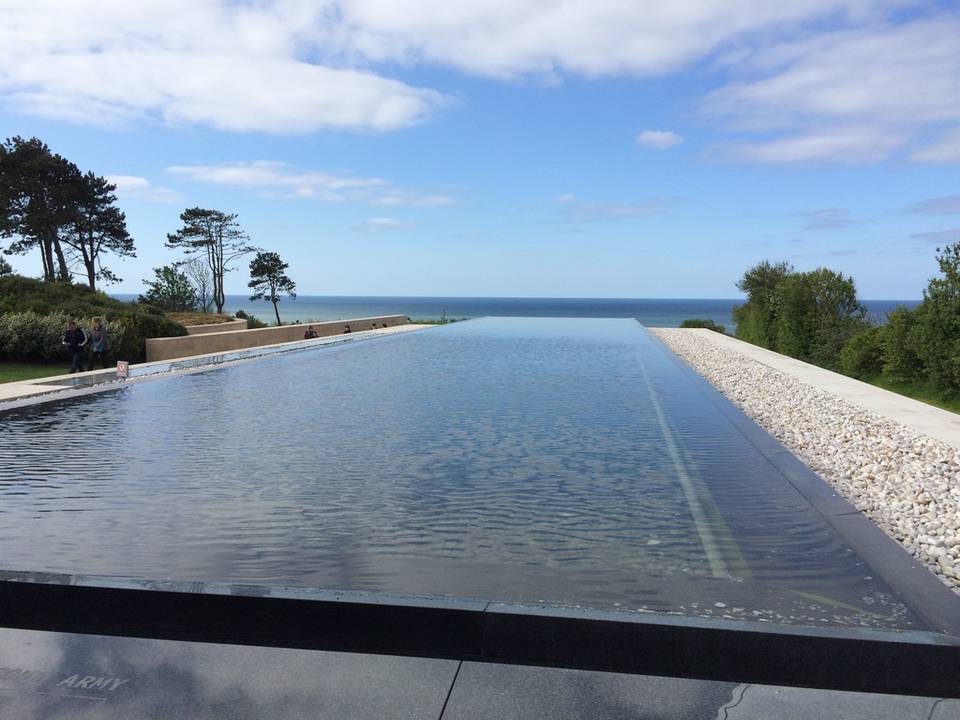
[(20, 294), (29, 336), (900, 360), (818, 313), (170, 290), (252, 322), (936, 329), (703, 323), (127, 333), (862, 356), (757, 317)]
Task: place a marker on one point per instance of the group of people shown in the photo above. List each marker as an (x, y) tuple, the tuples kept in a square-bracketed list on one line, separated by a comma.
[(311, 334), (79, 341)]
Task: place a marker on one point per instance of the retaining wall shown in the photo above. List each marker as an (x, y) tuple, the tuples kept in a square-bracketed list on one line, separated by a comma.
[(177, 347)]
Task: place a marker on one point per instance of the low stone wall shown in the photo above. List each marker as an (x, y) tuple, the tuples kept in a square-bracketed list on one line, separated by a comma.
[(177, 347), (232, 326)]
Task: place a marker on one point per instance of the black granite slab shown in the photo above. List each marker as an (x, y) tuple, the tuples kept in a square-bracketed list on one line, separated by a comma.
[(53, 676)]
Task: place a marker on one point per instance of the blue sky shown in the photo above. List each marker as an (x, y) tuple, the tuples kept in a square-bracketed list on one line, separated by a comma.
[(595, 149)]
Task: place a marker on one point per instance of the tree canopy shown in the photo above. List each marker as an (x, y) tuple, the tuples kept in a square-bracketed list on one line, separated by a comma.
[(215, 236), (269, 280), (47, 204), (170, 290)]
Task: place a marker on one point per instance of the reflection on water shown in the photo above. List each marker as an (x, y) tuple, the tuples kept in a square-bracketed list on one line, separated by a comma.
[(558, 460)]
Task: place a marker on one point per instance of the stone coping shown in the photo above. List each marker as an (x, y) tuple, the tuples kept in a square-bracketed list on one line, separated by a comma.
[(170, 348), (935, 422)]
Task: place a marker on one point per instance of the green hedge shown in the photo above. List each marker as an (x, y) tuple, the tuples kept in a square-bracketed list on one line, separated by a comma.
[(862, 357), (31, 337), (34, 315)]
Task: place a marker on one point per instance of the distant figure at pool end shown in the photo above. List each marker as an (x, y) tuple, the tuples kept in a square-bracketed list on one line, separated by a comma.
[(310, 334), (346, 329)]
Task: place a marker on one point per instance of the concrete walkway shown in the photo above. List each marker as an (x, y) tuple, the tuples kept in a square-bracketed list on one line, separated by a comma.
[(940, 424), (100, 379)]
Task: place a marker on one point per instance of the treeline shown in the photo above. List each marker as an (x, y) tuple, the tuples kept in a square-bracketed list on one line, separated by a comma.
[(815, 316), (69, 217), (48, 204)]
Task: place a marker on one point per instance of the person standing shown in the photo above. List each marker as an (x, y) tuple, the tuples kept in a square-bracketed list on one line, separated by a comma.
[(75, 339), (98, 343)]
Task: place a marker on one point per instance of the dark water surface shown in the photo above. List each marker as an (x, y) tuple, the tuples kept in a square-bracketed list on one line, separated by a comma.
[(568, 461)]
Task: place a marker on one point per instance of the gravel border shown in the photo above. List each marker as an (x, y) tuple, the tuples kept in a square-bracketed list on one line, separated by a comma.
[(905, 482)]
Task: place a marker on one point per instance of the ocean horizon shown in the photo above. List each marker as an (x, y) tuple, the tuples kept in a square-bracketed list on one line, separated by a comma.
[(655, 312)]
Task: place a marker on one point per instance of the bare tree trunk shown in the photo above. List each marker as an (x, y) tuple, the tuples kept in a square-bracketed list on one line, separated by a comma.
[(61, 261), (46, 253), (277, 311)]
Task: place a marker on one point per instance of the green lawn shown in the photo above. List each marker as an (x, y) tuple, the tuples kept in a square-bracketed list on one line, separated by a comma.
[(13, 371), (917, 391)]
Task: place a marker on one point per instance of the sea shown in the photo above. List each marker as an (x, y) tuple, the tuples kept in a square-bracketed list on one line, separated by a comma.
[(655, 312)]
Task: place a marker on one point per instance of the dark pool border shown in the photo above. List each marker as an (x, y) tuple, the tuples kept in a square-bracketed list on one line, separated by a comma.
[(860, 660), (935, 603)]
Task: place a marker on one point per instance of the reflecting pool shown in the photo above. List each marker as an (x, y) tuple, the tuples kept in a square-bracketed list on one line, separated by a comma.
[(566, 461)]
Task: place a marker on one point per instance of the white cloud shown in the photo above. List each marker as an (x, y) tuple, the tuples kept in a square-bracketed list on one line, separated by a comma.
[(949, 205), (601, 212), (401, 197), (826, 219), (279, 179), (940, 237), (206, 62), (945, 150), (138, 188), (507, 38), (850, 96), (567, 198), (385, 223), (848, 145), (659, 139), (867, 90)]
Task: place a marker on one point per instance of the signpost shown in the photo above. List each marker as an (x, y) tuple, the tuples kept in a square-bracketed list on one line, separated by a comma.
[(123, 369)]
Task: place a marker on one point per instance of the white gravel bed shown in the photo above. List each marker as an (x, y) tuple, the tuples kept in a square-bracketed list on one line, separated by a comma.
[(906, 482)]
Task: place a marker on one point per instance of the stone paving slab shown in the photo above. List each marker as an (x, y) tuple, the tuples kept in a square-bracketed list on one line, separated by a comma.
[(762, 702), (510, 692), (59, 676), (927, 419)]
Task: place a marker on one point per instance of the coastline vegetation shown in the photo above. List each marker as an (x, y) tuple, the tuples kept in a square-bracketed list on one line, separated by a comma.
[(435, 321), (704, 323), (816, 317)]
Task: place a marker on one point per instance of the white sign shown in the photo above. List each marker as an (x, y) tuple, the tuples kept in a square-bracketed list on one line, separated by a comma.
[(123, 368)]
